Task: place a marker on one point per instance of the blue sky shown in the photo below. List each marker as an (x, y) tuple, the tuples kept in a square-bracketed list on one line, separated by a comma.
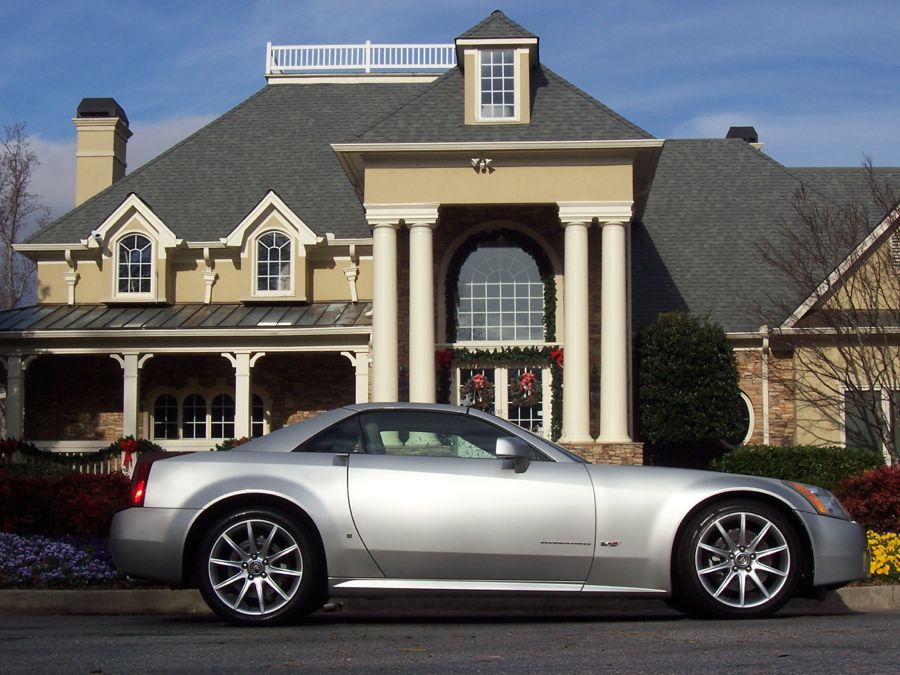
[(817, 78)]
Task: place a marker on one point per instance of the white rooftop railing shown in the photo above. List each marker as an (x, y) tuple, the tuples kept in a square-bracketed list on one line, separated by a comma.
[(283, 59)]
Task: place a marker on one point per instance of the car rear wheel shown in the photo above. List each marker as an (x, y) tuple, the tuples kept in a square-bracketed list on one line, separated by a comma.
[(738, 559), (259, 567)]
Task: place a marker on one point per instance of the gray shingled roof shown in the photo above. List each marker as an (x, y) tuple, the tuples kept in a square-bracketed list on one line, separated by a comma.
[(713, 203), (496, 25), (279, 139), (559, 112)]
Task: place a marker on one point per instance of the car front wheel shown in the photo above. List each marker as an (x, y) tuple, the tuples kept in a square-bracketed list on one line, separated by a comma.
[(258, 568), (739, 559)]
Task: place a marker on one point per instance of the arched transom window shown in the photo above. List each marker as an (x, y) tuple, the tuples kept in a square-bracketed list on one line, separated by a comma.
[(273, 263), (501, 296), (135, 264)]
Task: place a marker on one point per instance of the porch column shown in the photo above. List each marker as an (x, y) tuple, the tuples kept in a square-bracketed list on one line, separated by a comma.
[(614, 334), (15, 396), (131, 390), (360, 361), (576, 401), (385, 362), (421, 308), (242, 362)]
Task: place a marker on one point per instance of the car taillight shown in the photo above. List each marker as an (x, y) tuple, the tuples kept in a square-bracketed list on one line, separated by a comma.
[(139, 483)]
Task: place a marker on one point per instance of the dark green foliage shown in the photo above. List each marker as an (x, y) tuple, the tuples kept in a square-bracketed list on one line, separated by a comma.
[(873, 498), (823, 466), (688, 393)]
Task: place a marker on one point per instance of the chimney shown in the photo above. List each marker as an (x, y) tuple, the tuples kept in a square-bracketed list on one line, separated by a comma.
[(103, 133), (747, 134)]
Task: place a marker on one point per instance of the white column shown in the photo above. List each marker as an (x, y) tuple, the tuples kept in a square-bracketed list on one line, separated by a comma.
[(385, 361), (576, 382), (15, 396), (385, 219), (360, 361), (242, 362), (131, 390), (614, 335), (421, 313)]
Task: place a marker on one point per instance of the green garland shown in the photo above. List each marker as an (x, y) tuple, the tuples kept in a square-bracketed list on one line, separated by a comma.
[(114, 449), (513, 238), (506, 356)]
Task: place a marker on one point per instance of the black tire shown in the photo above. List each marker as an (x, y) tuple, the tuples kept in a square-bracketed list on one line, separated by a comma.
[(260, 568), (737, 560)]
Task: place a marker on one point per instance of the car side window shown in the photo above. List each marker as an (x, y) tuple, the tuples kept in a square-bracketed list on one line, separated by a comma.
[(341, 438), (430, 434)]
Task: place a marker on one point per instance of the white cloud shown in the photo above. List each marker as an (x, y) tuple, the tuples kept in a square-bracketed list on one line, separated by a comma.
[(54, 180)]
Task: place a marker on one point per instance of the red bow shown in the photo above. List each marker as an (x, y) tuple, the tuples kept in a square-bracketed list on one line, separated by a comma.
[(127, 445), (557, 355)]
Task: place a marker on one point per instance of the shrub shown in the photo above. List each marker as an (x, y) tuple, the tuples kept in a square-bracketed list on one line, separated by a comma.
[(688, 390), (873, 498), (72, 504), (823, 466)]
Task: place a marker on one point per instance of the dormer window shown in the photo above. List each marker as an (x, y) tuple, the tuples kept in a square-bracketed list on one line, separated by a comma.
[(498, 89), (135, 265), (273, 264)]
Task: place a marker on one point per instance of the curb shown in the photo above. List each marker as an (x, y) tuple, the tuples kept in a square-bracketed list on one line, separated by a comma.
[(863, 599)]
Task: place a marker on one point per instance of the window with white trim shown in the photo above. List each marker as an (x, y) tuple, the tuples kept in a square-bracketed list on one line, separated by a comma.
[(501, 296), (497, 89), (273, 263), (518, 394), (206, 415), (135, 265), (193, 415), (222, 416)]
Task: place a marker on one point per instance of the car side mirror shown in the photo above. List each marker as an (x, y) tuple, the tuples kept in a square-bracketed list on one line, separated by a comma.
[(514, 452)]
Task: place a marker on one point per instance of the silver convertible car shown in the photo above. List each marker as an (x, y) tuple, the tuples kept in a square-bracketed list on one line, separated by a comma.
[(374, 499)]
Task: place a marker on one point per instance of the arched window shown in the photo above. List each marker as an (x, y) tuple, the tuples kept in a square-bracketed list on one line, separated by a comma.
[(501, 296), (194, 416), (165, 417), (222, 416), (273, 263), (135, 264)]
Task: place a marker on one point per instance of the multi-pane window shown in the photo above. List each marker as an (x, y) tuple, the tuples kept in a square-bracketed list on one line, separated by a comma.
[(165, 417), (860, 422), (202, 416), (194, 416), (517, 394), (222, 416), (498, 89), (273, 262), (135, 264), (501, 296)]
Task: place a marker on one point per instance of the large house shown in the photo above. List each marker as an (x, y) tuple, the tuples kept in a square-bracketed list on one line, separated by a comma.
[(444, 222)]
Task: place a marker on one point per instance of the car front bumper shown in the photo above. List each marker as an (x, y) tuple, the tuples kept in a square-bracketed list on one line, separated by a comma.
[(148, 543), (840, 550)]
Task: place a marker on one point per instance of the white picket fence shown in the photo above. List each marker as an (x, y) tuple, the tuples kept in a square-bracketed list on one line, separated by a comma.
[(285, 59)]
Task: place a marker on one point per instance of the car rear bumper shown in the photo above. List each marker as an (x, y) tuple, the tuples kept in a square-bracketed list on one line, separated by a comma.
[(840, 551), (148, 542)]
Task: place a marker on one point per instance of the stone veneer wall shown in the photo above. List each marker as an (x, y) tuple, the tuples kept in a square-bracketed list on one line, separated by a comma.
[(782, 407), (610, 453)]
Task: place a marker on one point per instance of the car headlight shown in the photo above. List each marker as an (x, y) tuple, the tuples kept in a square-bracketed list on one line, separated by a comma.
[(821, 500)]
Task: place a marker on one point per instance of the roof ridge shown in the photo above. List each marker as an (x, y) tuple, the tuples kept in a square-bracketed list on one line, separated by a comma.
[(141, 169), (563, 81), (497, 16)]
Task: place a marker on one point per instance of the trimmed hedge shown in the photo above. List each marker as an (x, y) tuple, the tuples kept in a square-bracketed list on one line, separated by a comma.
[(72, 504), (873, 498), (823, 466)]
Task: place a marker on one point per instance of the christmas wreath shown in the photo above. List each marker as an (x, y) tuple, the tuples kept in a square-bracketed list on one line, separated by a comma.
[(525, 391), (478, 392)]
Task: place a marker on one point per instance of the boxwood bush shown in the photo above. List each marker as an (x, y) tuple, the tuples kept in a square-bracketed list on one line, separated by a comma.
[(823, 466)]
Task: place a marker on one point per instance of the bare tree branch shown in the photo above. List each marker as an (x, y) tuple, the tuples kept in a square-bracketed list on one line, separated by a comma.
[(20, 212)]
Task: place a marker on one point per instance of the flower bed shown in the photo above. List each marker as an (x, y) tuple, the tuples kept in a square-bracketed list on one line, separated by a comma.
[(48, 562), (885, 550)]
